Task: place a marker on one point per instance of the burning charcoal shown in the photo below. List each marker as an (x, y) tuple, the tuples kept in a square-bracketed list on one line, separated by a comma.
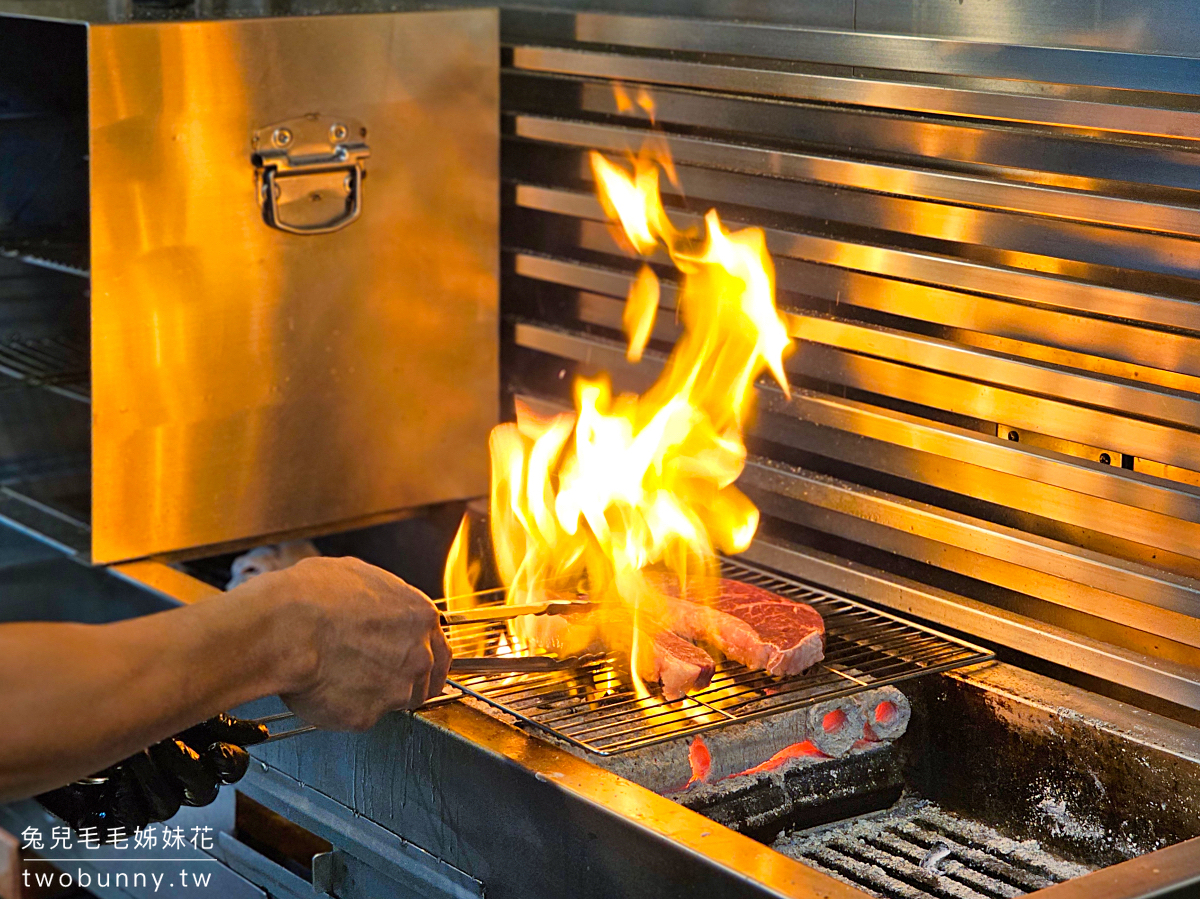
[(834, 726), (700, 760), (886, 711)]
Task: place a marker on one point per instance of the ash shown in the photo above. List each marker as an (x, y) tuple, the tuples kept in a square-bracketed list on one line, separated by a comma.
[(917, 849)]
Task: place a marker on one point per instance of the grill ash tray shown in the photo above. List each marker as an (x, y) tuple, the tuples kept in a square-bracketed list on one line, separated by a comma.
[(918, 849), (594, 707)]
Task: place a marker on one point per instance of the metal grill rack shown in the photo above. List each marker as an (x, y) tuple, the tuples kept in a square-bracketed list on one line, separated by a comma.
[(69, 257), (55, 363), (48, 496), (918, 850), (594, 706)]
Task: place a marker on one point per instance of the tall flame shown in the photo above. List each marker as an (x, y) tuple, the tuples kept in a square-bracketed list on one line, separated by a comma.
[(605, 499)]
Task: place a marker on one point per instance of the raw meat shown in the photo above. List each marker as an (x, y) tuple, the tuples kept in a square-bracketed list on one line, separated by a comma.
[(753, 626), (675, 663)]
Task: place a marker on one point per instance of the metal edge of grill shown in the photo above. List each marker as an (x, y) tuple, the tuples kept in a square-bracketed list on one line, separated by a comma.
[(594, 708)]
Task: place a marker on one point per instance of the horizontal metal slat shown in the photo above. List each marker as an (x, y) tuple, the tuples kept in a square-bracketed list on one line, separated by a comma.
[(1098, 68), (1036, 155), (992, 403), (1086, 495), (809, 13), (909, 181), (950, 358), (919, 98), (951, 272), (836, 351), (1140, 523), (1077, 578), (1035, 465), (1114, 348), (1022, 241), (1137, 26), (1167, 680)]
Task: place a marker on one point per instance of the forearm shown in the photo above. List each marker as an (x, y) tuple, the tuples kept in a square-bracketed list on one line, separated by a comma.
[(77, 698)]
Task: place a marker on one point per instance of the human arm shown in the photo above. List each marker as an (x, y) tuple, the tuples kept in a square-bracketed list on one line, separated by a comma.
[(342, 642)]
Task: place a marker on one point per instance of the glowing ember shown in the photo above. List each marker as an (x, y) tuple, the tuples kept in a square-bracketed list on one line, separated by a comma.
[(794, 751), (605, 499), (886, 712), (833, 721), (700, 761)]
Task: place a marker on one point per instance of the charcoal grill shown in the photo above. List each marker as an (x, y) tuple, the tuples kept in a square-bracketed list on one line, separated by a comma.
[(595, 707), (984, 224)]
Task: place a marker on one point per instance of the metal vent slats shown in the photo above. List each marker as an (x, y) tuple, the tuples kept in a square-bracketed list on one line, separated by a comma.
[(987, 254)]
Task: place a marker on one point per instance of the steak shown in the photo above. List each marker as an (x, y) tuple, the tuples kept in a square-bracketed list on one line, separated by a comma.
[(753, 626), (675, 663)]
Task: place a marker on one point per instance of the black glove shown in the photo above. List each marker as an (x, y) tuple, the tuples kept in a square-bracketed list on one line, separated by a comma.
[(187, 769)]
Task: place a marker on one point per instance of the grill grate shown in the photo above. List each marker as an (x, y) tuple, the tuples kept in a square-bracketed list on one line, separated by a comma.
[(70, 257), (56, 363), (920, 851), (595, 707)]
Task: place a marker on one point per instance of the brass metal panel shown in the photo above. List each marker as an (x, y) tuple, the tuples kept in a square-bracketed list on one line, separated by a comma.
[(247, 380), (165, 581)]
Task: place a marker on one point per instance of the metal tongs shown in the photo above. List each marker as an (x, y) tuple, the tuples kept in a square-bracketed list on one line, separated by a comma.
[(492, 614), (478, 664), (513, 664)]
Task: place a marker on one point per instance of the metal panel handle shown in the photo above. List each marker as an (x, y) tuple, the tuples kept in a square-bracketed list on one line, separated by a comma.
[(272, 192), (312, 158)]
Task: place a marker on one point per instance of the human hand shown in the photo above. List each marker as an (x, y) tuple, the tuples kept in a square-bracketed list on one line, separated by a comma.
[(366, 642)]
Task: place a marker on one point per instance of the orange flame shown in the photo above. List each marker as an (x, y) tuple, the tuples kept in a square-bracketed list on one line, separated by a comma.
[(599, 499)]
